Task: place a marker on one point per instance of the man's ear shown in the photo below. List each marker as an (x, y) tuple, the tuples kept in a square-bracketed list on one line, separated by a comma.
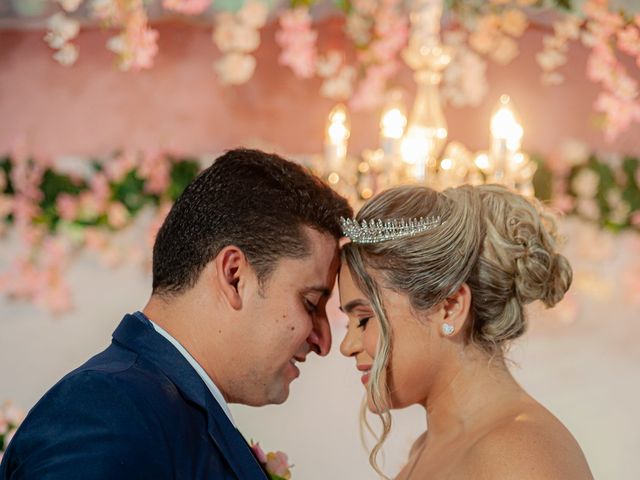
[(230, 265), (456, 311)]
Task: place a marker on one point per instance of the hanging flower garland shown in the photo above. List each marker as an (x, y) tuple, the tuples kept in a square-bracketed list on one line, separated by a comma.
[(378, 30), (56, 212)]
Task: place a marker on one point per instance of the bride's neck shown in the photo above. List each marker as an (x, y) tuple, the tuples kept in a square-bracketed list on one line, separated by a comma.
[(472, 386)]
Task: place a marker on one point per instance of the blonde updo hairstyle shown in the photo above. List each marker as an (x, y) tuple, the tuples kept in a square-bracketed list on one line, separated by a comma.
[(501, 244)]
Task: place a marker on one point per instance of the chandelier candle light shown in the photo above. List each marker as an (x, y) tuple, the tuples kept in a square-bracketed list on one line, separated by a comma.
[(338, 132), (412, 151)]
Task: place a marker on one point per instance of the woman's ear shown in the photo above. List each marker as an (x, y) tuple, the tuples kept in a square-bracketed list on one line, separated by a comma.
[(455, 312), (230, 267)]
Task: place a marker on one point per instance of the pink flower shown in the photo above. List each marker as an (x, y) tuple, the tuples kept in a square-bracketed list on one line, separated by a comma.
[(258, 452), (106, 10), (118, 215), (137, 45), (100, 190), (187, 7), (629, 40), (24, 209), (551, 59), (619, 113), (486, 34), (61, 30), (117, 168), (156, 170), (278, 464), (564, 203), (67, 206), (69, 5), (235, 68), (298, 42), (340, 86), (253, 13), (505, 50), (370, 91), (513, 22), (607, 22), (66, 55)]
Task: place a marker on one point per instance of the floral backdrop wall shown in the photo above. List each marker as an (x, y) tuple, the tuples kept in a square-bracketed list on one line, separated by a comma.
[(56, 212), (477, 31)]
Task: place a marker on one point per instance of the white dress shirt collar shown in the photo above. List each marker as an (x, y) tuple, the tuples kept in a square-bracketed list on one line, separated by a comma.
[(215, 391)]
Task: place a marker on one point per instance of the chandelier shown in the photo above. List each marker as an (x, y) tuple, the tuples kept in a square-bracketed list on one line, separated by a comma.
[(415, 148)]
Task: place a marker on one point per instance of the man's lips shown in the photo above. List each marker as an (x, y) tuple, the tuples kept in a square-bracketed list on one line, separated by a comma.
[(295, 359)]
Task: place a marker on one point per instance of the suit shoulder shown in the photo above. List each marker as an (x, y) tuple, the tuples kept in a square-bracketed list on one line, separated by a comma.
[(111, 360), (111, 377)]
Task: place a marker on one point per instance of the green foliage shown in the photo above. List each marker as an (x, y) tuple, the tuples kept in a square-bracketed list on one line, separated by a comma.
[(54, 184), (302, 3), (6, 166), (273, 476), (619, 183), (344, 5), (563, 4), (182, 173), (130, 192)]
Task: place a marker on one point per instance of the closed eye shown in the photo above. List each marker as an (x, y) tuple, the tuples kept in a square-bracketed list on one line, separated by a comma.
[(362, 323), (310, 307)]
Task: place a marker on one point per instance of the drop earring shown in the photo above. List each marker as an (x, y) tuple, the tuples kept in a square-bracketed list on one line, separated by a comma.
[(447, 329)]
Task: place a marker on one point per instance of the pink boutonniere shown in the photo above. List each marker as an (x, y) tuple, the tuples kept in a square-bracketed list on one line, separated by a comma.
[(275, 463)]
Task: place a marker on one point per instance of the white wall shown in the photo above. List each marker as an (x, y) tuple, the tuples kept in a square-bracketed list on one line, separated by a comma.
[(586, 372)]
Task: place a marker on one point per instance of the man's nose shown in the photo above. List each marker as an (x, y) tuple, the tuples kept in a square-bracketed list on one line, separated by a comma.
[(320, 336)]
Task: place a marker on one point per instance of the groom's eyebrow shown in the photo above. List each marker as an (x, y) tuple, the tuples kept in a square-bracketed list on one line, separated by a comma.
[(353, 304)]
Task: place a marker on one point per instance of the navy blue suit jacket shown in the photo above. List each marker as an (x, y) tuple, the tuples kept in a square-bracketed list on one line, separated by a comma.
[(137, 410)]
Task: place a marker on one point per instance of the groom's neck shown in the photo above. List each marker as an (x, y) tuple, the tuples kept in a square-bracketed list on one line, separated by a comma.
[(195, 321)]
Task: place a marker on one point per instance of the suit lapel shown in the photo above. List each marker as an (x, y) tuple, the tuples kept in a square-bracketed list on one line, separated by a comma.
[(232, 444), (136, 333)]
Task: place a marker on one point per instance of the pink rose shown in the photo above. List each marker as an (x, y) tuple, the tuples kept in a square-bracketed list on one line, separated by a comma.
[(278, 464), (259, 453), (118, 215), (67, 206)]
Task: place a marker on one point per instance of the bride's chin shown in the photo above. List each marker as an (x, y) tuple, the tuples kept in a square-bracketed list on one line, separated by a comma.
[(373, 409)]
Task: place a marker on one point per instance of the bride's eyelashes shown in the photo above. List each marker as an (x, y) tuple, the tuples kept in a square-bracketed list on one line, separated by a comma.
[(362, 323)]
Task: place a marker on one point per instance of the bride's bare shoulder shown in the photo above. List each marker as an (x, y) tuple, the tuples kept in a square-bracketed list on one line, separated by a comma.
[(532, 445)]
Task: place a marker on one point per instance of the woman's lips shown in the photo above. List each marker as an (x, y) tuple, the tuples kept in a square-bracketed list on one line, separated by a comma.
[(366, 369)]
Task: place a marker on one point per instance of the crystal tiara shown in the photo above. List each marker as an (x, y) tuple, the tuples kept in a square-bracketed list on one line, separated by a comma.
[(376, 231)]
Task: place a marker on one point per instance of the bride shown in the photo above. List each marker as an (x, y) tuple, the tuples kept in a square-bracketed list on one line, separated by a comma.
[(432, 305)]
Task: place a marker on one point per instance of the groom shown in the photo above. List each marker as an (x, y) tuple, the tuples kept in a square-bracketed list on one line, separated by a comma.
[(242, 269)]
